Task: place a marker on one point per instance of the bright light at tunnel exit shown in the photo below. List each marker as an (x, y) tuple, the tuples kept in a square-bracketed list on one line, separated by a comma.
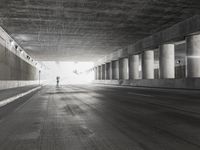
[(69, 72)]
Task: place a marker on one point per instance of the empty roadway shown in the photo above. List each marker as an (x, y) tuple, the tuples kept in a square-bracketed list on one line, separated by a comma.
[(93, 117)]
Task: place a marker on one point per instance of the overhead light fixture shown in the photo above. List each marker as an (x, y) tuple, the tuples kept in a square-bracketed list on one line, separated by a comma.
[(28, 57), (16, 47), (12, 43), (21, 51)]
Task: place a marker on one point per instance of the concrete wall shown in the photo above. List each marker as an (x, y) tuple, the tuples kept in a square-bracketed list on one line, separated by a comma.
[(13, 67), (6, 84), (15, 70), (192, 83)]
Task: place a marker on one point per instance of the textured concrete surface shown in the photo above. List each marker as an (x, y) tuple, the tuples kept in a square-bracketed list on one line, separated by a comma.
[(18, 96), (7, 84), (9, 43), (123, 69), (7, 93), (90, 29), (103, 118), (185, 83), (13, 67)]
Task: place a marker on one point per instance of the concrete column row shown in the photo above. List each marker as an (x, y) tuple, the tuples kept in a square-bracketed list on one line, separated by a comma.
[(128, 68)]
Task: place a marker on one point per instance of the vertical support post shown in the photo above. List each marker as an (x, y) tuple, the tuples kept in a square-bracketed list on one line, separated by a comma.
[(99, 72), (108, 71), (193, 56), (103, 68), (134, 67), (115, 70), (166, 61), (148, 64), (123, 69), (95, 73)]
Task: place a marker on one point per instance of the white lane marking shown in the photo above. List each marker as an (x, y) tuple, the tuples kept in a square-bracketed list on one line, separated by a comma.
[(131, 93), (13, 98)]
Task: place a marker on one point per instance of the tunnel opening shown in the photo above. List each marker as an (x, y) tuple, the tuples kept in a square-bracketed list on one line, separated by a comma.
[(69, 72)]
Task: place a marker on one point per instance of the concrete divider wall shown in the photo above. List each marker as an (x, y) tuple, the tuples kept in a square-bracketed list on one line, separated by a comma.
[(13, 84), (187, 83)]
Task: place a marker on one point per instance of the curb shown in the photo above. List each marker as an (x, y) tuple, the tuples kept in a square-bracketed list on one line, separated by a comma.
[(13, 98)]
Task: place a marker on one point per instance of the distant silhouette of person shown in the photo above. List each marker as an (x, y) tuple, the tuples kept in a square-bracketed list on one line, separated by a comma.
[(57, 81)]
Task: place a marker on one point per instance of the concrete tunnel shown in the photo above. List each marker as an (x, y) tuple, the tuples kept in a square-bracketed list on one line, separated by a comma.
[(128, 75)]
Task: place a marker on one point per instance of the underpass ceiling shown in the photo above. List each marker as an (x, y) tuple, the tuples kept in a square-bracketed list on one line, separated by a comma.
[(86, 30)]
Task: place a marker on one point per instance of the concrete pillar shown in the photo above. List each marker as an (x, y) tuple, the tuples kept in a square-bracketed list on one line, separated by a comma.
[(99, 72), (148, 64), (108, 71), (123, 69), (193, 56), (111, 70), (134, 67), (166, 61), (103, 72), (115, 70), (95, 73)]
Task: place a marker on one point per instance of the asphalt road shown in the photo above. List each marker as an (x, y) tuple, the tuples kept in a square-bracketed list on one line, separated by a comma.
[(89, 117)]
